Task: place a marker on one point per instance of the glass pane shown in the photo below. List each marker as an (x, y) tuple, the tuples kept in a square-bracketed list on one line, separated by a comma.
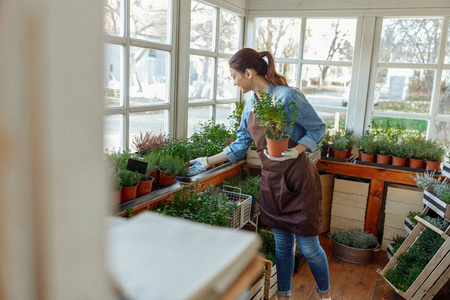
[(410, 40), (409, 124), (442, 133), (447, 49), (404, 90), (330, 39), (149, 76), (225, 84), (333, 120), (112, 17), (223, 111), (198, 115), (326, 85), (113, 75), (279, 36), (202, 26), (229, 32), (444, 97), (113, 132), (289, 71), (150, 20), (156, 121), (201, 71)]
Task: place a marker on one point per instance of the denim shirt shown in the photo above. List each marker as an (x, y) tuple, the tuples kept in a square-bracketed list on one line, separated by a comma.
[(307, 130)]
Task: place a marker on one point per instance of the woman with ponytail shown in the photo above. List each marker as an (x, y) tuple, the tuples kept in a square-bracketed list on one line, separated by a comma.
[(291, 193)]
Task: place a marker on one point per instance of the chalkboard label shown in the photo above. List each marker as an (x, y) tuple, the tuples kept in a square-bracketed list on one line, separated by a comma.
[(137, 166)]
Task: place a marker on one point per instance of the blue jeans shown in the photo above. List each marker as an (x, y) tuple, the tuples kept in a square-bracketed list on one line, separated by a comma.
[(313, 253)]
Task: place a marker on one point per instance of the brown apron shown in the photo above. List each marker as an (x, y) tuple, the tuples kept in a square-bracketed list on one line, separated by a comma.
[(291, 193)]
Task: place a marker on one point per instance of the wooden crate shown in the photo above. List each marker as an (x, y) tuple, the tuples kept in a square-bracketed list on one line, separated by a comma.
[(270, 284), (348, 209), (437, 205), (327, 181), (257, 290), (446, 169), (434, 275)]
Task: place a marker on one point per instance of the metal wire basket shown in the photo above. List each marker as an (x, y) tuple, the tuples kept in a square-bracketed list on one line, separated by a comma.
[(241, 215)]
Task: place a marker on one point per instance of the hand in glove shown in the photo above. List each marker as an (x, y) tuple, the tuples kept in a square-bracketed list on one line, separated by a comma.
[(198, 165), (290, 153)]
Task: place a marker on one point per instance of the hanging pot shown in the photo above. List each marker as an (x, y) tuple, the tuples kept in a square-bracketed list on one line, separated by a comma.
[(144, 187), (340, 154), (166, 179), (433, 165), (367, 157), (399, 161), (416, 163), (128, 193), (384, 159), (276, 147)]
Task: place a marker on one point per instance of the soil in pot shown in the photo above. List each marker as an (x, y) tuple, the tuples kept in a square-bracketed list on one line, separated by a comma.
[(275, 148), (384, 159)]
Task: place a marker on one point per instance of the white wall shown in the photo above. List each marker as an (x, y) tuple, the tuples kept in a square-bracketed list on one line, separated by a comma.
[(53, 197)]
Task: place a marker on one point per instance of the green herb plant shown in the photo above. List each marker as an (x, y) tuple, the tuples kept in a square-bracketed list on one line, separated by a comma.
[(274, 117), (355, 238)]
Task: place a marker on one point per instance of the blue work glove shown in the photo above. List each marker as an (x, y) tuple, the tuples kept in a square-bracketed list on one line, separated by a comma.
[(290, 153), (198, 165)]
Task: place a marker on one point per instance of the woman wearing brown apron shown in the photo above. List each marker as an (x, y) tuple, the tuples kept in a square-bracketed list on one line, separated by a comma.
[(291, 193)]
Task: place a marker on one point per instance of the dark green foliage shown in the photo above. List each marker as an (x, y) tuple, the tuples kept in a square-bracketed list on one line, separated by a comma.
[(412, 262), (173, 165), (209, 207), (355, 238), (268, 245), (397, 242), (367, 144), (248, 185), (128, 213), (128, 178), (384, 147), (152, 160), (209, 140)]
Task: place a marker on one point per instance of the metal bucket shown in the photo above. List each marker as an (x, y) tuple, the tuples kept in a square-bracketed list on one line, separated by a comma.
[(353, 255)]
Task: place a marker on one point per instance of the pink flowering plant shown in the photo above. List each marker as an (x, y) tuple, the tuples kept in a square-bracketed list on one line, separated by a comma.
[(147, 142)]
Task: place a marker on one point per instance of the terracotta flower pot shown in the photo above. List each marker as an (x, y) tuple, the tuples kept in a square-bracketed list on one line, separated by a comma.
[(399, 161), (275, 148), (166, 180), (330, 152), (359, 154), (340, 154), (349, 152), (128, 193), (144, 187), (367, 157), (433, 165), (155, 175), (416, 163), (384, 159)]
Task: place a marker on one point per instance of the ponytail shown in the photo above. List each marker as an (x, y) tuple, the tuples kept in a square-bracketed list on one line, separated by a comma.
[(247, 58)]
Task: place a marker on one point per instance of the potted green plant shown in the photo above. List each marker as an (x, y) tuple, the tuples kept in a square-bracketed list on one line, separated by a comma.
[(416, 160), (400, 153), (354, 245), (348, 134), (340, 147), (129, 180), (368, 148), (275, 119), (146, 182), (170, 167), (433, 154), (384, 152)]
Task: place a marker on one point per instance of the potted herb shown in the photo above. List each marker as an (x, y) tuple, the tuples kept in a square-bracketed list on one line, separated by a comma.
[(400, 153), (170, 167), (368, 148), (275, 118), (384, 152), (433, 154), (129, 180), (416, 160), (340, 147), (348, 134), (146, 182), (354, 245)]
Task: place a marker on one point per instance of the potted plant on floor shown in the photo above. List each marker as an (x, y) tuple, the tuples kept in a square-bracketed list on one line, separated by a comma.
[(275, 119), (354, 245)]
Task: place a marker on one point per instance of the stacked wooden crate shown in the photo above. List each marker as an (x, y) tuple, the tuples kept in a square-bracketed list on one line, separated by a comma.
[(400, 200), (348, 209), (327, 181)]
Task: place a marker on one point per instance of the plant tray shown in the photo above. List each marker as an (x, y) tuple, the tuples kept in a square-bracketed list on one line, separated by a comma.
[(374, 164), (437, 205), (446, 169), (434, 275), (389, 251), (270, 285), (257, 290), (349, 159), (241, 215)]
